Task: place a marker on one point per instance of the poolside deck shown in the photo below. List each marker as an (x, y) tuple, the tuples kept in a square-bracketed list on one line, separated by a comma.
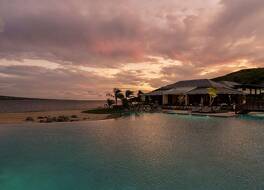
[(185, 112)]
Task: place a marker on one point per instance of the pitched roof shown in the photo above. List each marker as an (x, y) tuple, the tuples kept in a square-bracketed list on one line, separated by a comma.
[(230, 83), (195, 87), (221, 90), (206, 83), (250, 86), (155, 93), (178, 91)]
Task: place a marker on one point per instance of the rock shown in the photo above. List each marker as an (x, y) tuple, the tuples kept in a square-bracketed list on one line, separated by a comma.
[(74, 116), (30, 119), (63, 118), (49, 120)]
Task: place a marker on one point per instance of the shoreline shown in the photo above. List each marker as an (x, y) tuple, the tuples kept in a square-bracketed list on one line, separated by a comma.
[(43, 116), (80, 115)]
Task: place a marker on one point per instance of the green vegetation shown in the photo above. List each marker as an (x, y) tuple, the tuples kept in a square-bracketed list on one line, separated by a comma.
[(117, 94), (127, 98), (129, 93), (212, 94), (109, 103), (246, 76), (181, 99), (129, 104)]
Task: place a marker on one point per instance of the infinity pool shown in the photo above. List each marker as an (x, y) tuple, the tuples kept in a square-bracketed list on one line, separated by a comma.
[(146, 152)]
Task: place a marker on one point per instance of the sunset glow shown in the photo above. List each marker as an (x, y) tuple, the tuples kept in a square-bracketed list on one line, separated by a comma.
[(83, 49)]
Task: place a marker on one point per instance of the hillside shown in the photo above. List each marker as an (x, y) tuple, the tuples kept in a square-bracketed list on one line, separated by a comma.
[(245, 76), (16, 98)]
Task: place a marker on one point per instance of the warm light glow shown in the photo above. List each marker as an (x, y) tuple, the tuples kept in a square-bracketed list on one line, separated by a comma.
[(82, 49), (30, 62)]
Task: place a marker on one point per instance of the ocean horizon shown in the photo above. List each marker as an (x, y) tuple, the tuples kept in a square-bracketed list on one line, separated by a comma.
[(33, 105)]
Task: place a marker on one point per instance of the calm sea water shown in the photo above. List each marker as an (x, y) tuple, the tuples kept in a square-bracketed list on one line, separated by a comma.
[(148, 152), (47, 105)]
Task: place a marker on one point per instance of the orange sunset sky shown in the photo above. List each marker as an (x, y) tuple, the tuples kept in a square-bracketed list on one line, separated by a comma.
[(81, 49)]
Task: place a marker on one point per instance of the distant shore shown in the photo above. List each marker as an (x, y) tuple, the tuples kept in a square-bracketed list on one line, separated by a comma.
[(43, 116)]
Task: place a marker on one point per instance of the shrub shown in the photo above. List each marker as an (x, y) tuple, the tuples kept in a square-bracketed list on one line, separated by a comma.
[(30, 119)]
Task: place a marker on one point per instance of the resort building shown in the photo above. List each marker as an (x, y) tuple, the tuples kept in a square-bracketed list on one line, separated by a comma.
[(247, 89), (250, 89), (184, 94)]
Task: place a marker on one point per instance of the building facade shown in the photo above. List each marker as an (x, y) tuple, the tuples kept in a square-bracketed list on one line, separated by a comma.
[(196, 93)]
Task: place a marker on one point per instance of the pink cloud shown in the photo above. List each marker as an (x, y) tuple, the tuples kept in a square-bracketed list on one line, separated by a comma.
[(201, 34)]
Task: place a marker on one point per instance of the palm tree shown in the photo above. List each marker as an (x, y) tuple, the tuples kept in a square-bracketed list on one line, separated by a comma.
[(212, 94), (109, 103), (120, 96), (139, 93), (129, 93), (181, 99), (117, 92), (139, 98)]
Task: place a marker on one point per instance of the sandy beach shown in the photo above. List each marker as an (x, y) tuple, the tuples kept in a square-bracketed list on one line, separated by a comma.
[(13, 118)]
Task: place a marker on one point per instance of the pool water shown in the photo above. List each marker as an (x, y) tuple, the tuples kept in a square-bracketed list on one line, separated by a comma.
[(144, 152)]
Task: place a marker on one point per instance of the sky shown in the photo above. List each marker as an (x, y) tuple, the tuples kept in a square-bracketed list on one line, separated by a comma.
[(82, 49)]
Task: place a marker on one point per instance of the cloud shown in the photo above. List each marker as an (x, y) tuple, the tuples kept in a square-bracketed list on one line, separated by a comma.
[(236, 33), (1, 25), (67, 34), (35, 81), (138, 44)]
